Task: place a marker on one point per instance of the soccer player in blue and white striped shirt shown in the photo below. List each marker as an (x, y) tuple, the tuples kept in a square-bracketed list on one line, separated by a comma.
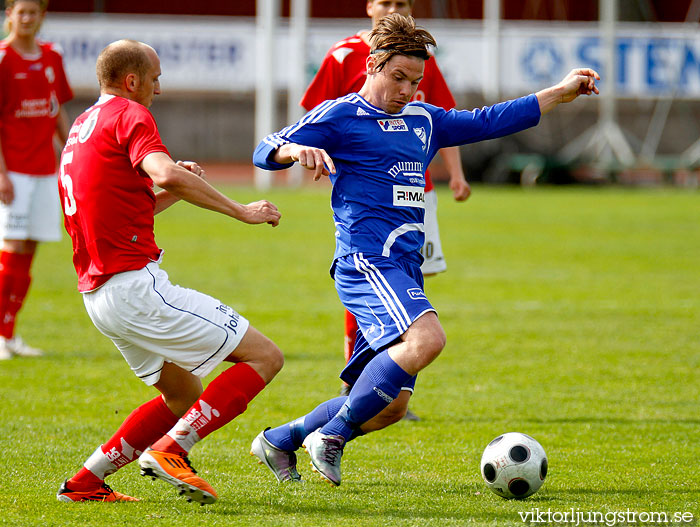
[(375, 146)]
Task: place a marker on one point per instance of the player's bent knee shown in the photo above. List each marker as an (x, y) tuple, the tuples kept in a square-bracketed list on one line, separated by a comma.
[(260, 353), (272, 356), (268, 363), (275, 359)]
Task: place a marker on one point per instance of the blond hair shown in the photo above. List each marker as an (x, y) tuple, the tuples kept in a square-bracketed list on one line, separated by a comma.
[(10, 4)]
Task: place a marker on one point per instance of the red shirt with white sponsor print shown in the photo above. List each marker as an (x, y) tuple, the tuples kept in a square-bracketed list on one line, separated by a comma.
[(344, 70), (32, 90), (108, 200)]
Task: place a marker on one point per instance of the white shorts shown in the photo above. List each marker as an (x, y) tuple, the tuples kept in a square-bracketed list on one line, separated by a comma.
[(434, 260), (35, 213), (152, 321)]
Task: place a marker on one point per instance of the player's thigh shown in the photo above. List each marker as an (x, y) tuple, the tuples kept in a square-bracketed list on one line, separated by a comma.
[(385, 296), (259, 352)]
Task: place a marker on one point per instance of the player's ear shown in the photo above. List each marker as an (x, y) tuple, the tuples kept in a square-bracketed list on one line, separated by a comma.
[(131, 82), (371, 65), (368, 8)]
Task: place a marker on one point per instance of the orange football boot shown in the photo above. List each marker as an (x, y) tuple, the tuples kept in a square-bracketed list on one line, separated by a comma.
[(177, 470), (103, 493)]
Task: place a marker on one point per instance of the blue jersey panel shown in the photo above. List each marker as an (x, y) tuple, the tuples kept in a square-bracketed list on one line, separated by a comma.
[(380, 159)]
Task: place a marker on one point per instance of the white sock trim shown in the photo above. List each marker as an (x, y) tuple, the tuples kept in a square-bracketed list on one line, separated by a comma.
[(99, 464)]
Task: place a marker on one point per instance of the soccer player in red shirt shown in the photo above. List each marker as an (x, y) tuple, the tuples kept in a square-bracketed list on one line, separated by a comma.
[(344, 71), (33, 89), (170, 336)]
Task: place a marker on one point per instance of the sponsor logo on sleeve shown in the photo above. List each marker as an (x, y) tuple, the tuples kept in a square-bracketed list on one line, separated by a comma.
[(393, 125), (416, 293), (405, 196)]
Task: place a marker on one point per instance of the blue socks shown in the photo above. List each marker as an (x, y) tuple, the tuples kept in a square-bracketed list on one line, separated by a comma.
[(290, 436), (378, 385)]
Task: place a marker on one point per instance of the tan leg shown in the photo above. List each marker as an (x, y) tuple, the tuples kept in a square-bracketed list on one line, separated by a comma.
[(260, 353), (390, 415), (179, 387)]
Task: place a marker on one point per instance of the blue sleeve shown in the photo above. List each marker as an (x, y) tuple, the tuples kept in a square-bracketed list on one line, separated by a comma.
[(460, 127), (262, 157), (317, 128)]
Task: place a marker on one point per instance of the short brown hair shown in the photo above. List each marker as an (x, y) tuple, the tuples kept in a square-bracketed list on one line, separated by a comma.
[(398, 35), (119, 59), (43, 4)]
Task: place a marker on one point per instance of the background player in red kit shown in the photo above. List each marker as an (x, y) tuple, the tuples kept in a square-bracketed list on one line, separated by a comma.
[(170, 336), (33, 88), (344, 71)]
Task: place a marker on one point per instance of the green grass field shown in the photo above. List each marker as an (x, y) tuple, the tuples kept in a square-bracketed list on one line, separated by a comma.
[(571, 314)]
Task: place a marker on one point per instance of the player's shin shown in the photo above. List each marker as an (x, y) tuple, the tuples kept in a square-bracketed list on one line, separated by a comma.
[(226, 397), (144, 425)]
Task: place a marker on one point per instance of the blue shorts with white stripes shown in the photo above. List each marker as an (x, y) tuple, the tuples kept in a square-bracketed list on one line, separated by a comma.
[(385, 295)]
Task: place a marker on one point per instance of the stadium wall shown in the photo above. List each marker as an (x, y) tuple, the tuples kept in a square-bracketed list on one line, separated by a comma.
[(206, 111)]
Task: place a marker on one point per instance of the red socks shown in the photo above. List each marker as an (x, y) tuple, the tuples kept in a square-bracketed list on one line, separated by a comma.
[(350, 335), (14, 284), (226, 397), (143, 426)]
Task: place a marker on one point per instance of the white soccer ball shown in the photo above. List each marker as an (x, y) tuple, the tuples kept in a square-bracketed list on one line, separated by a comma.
[(514, 465)]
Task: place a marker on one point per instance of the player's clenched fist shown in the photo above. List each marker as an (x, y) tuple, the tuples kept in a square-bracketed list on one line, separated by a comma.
[(309, 157), (261, 212)]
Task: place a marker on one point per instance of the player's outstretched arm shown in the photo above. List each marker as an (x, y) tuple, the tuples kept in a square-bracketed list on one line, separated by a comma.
[(309, 157), (579, 81), (181, 183)]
